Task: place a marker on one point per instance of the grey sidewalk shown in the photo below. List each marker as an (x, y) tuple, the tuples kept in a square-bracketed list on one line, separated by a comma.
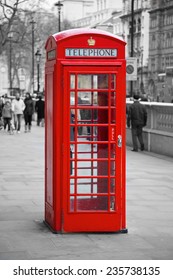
[(24, 236)]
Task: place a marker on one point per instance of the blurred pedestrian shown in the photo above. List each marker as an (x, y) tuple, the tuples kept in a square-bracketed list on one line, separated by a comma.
[(18, 107), (28, 111), (144, 97), (39, 108), (1, 107), (7, 115), (6, 98), (137, 118)]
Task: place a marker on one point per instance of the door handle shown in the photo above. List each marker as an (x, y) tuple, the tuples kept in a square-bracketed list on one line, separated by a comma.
[(119, 142)]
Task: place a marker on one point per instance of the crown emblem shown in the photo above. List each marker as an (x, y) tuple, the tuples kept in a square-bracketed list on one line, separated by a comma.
[(91, 42)]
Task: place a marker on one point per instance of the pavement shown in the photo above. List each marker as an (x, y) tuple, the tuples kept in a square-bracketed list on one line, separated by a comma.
[(24, 236)]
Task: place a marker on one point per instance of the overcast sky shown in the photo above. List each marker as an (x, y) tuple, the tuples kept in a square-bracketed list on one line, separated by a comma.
[(50, 3)]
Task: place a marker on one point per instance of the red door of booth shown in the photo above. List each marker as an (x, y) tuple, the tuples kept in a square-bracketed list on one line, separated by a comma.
[(92, 149)]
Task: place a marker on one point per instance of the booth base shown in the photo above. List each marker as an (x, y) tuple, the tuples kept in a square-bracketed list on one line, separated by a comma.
[(123, 231), (50, 228)]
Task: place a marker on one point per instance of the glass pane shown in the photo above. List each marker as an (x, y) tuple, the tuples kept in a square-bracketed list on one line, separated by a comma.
[(112, 189), (113, 150), (86, 168), (87, 132), (112, 203), (113, 81), (87, 148), (71, 186), (84, 97), (113, 99), (113, 116), (95, 81), (91, 159), (72, 81), (75, 118), (87, 98), (82, 164), (72, 149), (72, 98), (95, 98), (103, 81), (72, 157), (87, 185), (102, 133), (88, 164), (72, 204), (71, 162), (91, 168), (94, 203), (102, 150), (103, 182), (88, 115), (103, 99), (88, 151), (72, 128), (102, 169), (84, 81), (90, 133), (112, 163)]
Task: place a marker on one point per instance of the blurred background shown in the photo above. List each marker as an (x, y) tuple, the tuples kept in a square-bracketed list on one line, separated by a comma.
[(146, 26)]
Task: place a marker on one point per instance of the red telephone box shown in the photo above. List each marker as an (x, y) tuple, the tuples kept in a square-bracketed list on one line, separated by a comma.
[(85, 132)]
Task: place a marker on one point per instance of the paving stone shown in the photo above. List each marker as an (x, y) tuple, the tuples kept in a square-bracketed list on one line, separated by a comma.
[(17, 255), (23, 234)]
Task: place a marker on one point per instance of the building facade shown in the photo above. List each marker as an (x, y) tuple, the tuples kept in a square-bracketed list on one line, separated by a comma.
[(160, 70), (99, 15), (140, 48), (76, 9)]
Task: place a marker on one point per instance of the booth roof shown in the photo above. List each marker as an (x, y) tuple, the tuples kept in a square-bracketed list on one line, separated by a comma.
[(79, 31)]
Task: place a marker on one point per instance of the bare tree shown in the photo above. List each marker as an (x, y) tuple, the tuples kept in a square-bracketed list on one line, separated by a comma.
[(16, 34), (11, 14), (9, 11)]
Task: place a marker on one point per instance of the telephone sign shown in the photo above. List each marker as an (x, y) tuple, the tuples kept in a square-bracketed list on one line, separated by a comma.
[(91, 52)]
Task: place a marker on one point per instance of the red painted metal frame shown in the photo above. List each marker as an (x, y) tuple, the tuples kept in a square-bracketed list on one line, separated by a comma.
[(57, 159), (93, 220)]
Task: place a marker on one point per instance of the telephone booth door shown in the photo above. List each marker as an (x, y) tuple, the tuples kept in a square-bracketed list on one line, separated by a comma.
[(93, 181)]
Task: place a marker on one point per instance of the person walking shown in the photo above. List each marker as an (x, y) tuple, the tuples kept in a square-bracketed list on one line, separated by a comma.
[(28, 111), (1, 107), (7, 115), (137, 119), (39, 108), (18, 107)]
